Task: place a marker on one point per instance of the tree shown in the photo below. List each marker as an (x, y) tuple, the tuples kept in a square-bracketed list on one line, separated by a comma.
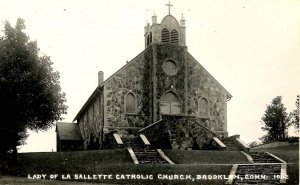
[(253, 144), (295, 114), (276, 121), (30, 93)]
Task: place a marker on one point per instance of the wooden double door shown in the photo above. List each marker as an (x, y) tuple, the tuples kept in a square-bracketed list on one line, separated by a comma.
[(170, 104), (170, 107)]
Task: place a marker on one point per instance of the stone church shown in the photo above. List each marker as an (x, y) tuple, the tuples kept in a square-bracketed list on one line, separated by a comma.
[(163, 96)]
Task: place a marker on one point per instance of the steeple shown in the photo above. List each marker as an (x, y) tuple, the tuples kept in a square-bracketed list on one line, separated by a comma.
[(182, 21), (168, 31)]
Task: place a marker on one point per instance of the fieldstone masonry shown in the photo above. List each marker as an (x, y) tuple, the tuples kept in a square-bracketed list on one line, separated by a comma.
[(164, 77), (202, 84), (132, 79), (180, 132)]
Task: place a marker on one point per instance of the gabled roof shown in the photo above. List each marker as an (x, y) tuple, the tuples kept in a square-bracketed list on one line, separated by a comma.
[(68, 131), (90, 99), (229, 96), (99, 88)]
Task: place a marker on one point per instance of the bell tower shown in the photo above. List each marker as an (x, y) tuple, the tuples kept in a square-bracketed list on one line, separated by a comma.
[(166, 41), (169, 31)]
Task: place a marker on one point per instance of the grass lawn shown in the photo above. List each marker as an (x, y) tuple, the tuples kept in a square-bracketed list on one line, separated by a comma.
[(188, 171), (290, 154), (118, 162), (11, 180)]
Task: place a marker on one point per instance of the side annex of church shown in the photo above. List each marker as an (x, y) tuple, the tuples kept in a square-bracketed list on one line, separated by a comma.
[(164, 93)]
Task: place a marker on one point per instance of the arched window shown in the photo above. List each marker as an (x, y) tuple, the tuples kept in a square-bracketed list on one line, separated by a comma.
[(150, 38), (130, 103), (203, 107), (165, 36), (174, 37)]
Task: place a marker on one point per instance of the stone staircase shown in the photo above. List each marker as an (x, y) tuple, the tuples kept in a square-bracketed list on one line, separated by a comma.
[(144, 154), (265, 170), (234, 143), (230, 145), (148, 156), (262, 157), (257, 174)]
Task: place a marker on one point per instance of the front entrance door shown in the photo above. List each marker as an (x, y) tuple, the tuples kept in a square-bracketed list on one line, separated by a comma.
[(170, 104), (165, 107), (175, 108)]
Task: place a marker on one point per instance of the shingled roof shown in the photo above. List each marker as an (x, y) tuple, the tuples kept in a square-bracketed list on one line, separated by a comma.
[(68, 131)]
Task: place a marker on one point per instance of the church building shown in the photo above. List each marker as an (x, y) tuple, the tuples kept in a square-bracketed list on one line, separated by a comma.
[(163, 95)]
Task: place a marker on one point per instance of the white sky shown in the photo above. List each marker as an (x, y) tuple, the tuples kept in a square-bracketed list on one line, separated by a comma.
[(251, 47)]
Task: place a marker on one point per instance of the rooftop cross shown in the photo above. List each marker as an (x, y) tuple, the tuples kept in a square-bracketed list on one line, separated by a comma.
[(169, 5)]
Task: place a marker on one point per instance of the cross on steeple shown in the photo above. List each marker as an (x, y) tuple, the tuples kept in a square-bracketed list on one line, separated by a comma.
[(169, 5)]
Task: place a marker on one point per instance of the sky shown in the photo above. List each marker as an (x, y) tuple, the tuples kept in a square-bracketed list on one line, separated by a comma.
[(251, 47)]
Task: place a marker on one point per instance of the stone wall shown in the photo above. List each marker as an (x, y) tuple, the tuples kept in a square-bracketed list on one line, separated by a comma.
[(180, 132), (134, 78), (202, 85), (145, 77), (164, 82), (235, 143), (106, 114), (91, 121), (110, 142)]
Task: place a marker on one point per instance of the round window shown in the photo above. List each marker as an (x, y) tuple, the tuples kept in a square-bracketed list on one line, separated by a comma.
[(170, 67)]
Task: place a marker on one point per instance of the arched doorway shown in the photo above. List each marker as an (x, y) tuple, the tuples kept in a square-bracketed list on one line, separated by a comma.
[(170, 103)]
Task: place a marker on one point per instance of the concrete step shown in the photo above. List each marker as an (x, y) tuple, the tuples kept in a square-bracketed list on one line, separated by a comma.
[(143, 154), (261, 170), (262, 157)]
